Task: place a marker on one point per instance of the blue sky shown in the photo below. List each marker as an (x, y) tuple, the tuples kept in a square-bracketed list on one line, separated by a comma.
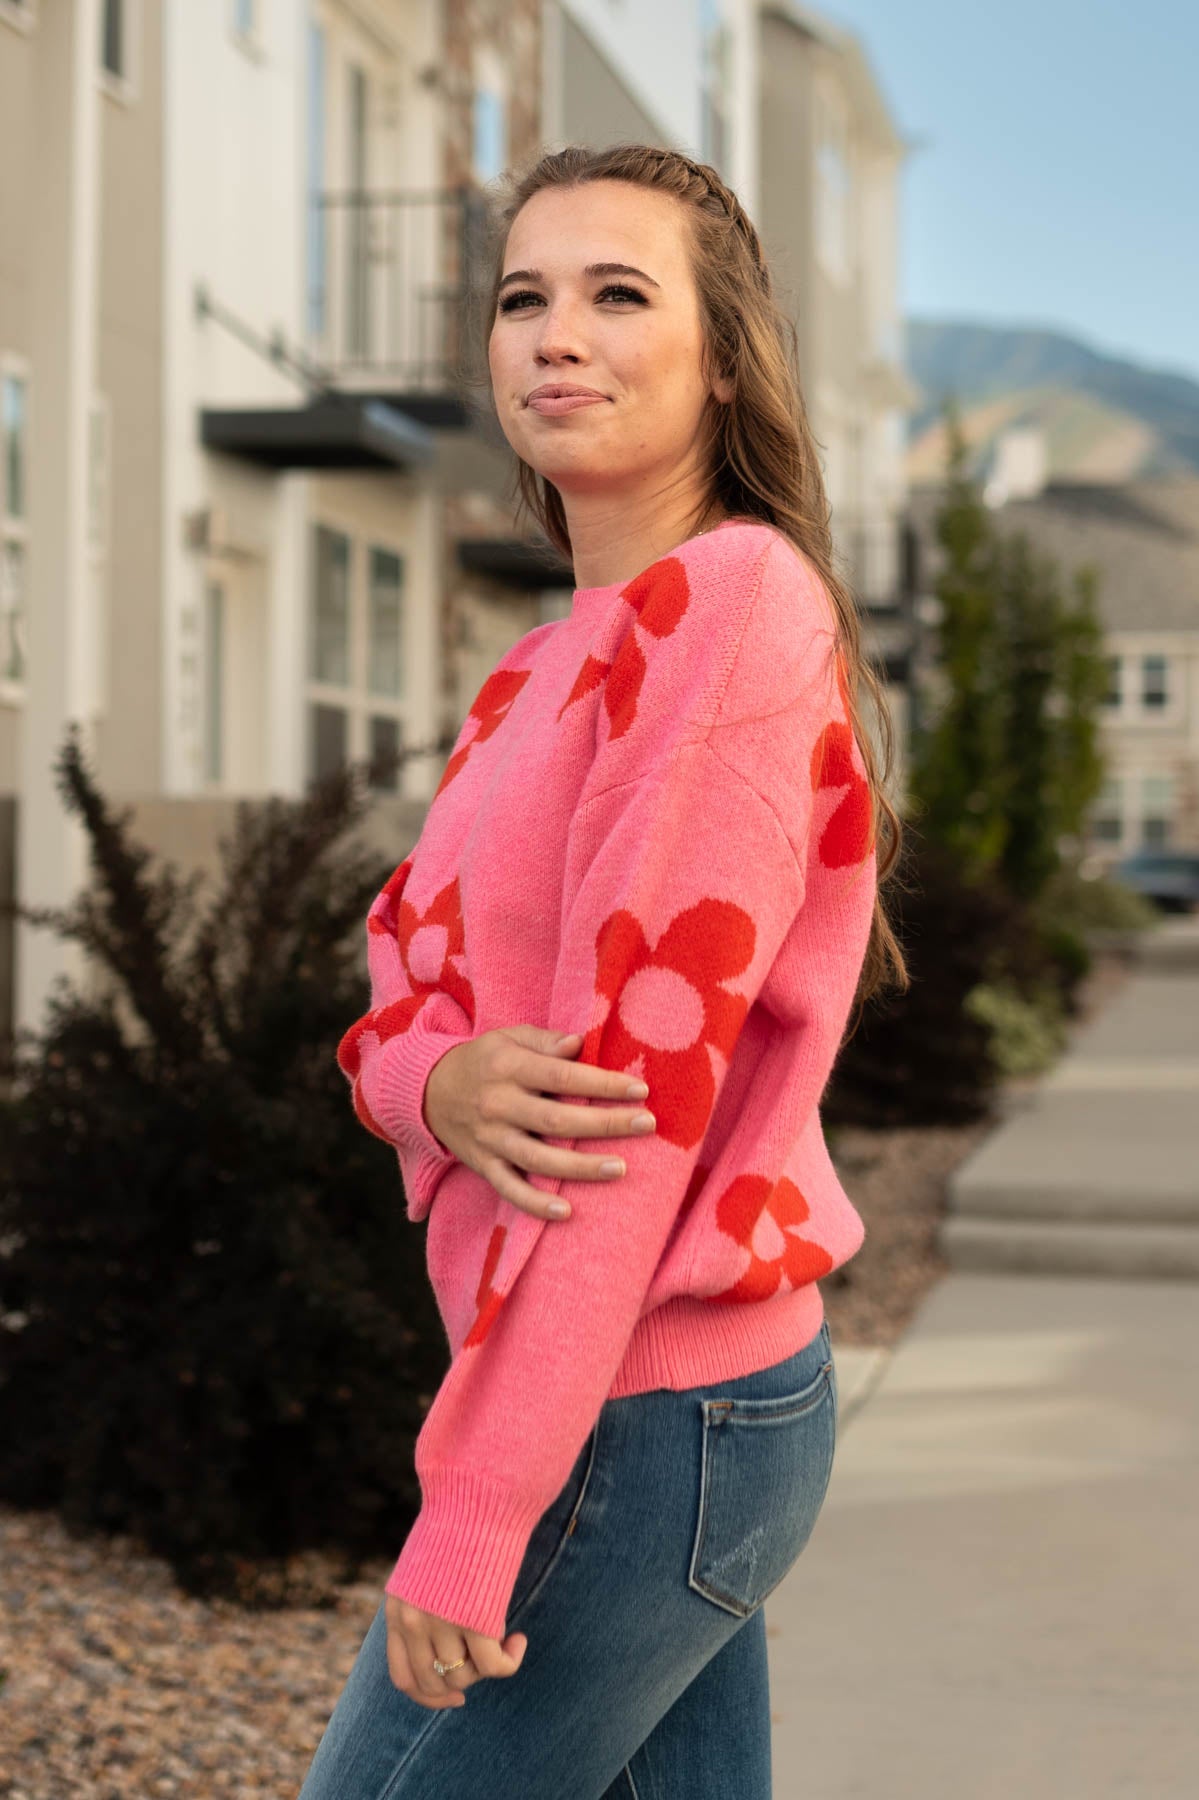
[(1058, 179)]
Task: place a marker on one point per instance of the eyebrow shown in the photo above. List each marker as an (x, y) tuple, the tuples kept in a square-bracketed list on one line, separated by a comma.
[(593, 271)]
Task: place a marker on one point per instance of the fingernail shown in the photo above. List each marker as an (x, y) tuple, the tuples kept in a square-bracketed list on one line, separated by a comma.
[(643, 1122), (637, 1090), (558, 1209), (611, 1166)]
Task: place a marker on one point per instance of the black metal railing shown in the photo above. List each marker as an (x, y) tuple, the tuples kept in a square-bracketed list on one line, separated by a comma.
[(393, 284)]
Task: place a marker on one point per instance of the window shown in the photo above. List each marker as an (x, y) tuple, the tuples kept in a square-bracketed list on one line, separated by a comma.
[(328, 744), (330, 638), (12, 610), (1107, 819), (490, 134), (384, 748), (14, 507), (118, 47), (489, 116), (214, 681), (1115, 669), (1153, 682), (385, 667), (1157, 810), (356, 666), (112, 38)]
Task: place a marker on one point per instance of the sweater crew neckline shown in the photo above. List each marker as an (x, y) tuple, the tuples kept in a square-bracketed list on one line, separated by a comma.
[(588, 599)]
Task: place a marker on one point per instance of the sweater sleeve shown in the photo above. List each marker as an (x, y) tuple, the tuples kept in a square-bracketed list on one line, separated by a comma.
[(389, 1053), (682, 885)]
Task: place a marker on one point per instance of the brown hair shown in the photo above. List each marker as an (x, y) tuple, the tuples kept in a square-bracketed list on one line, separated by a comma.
[(762, 455)]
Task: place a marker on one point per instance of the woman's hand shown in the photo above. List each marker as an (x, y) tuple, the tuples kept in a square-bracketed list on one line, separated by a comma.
[(487, 1102), (414, 1638)]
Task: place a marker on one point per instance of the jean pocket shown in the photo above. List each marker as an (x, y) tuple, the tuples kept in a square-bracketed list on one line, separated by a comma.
[(764, 1472)]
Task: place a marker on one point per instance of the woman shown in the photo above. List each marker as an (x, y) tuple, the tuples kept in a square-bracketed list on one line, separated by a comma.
[(657, 834)]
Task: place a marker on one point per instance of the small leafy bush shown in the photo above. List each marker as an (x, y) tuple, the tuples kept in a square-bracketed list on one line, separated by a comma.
[(1097, 903), (924, 1056), (216, 1332), (1026, 1034)]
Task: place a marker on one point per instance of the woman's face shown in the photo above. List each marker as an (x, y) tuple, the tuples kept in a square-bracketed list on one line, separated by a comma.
[(629, 335)]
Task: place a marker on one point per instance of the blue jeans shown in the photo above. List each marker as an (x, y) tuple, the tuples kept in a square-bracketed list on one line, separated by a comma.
[(641, 1596)]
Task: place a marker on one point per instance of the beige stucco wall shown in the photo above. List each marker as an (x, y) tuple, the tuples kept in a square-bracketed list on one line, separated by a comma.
[(130, 375)]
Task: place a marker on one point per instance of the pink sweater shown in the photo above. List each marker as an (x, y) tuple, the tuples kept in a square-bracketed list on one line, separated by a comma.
[(654, 830)]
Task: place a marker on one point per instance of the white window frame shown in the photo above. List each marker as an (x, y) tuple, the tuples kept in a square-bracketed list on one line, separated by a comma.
[(20, 17), (125, 87), (14, 530), (354, 697)]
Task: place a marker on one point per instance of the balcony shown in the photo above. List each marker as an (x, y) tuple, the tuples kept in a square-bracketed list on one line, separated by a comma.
[(391, 279)]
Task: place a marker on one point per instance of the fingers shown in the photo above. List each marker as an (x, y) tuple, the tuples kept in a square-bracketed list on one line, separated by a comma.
[(411, 1648), (560, 1075), (493, 1659)]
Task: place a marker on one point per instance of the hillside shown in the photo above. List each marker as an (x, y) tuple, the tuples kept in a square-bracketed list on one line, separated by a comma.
[(1103, 418)]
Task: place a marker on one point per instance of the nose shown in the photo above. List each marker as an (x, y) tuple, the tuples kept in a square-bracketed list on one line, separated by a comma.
[(559, 339)]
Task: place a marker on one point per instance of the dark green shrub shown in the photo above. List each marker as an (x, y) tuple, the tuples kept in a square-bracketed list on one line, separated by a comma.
[(925, 1057), (216, 1331)]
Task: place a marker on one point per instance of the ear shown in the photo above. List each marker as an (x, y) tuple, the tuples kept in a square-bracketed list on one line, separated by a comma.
[(723, 388)]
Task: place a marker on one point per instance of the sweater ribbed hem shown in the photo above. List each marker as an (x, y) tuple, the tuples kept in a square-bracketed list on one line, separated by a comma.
[(688, 1343), (464, 1552)]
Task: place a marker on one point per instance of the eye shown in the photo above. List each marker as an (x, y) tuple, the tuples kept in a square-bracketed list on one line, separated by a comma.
[(520, 298), (615, 290), (619, 292)]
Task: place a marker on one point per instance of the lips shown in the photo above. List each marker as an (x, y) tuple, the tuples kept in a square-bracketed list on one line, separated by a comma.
[(562, 397)]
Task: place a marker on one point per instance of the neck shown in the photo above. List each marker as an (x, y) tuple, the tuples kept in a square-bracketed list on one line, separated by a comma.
[(612, 540)]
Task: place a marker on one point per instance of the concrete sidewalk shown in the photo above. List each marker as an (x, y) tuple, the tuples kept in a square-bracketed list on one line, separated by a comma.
[(1096, 1172), (1001, 1595)]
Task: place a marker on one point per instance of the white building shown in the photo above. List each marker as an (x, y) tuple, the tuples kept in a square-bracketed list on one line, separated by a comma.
[(251, 525)]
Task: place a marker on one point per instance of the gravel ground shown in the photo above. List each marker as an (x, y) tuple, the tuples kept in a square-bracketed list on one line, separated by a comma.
[(116, 1686)]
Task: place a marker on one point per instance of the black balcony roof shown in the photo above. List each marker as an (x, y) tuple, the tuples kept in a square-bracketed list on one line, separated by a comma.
[(519, 560), (342, 432)]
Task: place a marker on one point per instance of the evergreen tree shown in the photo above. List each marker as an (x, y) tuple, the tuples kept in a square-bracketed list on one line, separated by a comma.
[(958, 755)]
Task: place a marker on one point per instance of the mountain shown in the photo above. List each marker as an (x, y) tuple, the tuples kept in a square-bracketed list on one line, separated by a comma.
[(1104, 418)]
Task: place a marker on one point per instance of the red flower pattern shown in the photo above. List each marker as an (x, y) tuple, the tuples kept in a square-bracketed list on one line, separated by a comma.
[(588, 677), (668, 1004), (492, 706), (763, 1218), (432, 951), (846, 838), (659, 596), (487, 1300)]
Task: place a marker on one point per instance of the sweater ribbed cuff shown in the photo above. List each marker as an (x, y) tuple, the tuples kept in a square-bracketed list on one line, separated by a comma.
[(465, 1550), (397, 1099)]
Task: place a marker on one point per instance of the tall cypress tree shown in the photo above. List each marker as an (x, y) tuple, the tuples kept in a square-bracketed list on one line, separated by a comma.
[(957, 757)]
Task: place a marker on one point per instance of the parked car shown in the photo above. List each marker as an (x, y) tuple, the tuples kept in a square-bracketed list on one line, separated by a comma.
[(1169, 877)]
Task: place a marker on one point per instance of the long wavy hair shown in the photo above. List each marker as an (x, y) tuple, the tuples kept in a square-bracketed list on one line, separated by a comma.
[(759, 446)]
